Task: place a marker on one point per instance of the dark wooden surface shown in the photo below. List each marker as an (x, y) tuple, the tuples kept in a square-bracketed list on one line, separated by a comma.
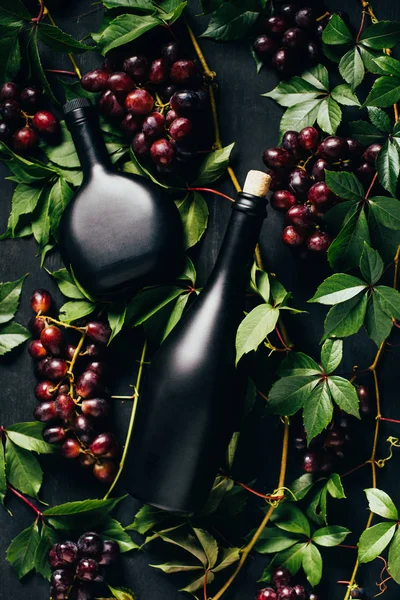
[(252, 122)]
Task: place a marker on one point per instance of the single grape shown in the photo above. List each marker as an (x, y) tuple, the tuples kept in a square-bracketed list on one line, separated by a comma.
[(276, 26), (290, 142), (335, 438), (86, 460), (153, 125), (56, 369), (53, 559), (358, 593), (278, 179), (141, 145), (371, 153), (283, 61), (65, 407), (158, 71), (265, 46), (37, 350), (277, 158), (299, 216), (131, 124), (332, 148), (184, 102), (171, 51), (70, 350), (292, 237), (46, 123), (41, 301), (71, 448), (83, 428), (137, 67), (40, 368), (67, 552), (10, 110), (5, 132), (87, 569), (318, 170), (162, 152), (9, 91), (109, 553), (24, 140), (365, 400), (299, 182), (300, 592), (120, 83), (354, 147), (45, 412), (267, 593), (320, 195), (53, 340), (62, 579), (294, 38), (286, 592), (105, 471), (183, 71), (288, 12), (366, 172), (37, 326), (170, 117), (309, 138), (90, 544), (313, 596), (281, 577), (282, 200), (45, 391), (319, 241), (31, 97), (98, 366), (110, 106), (87, 384), (102, 444), (313, 53), (95, 407), (180, 128), (167, 91), (95, 80), (311, 461), (53, 434), (95, 350), (305, 18), (139, 102)]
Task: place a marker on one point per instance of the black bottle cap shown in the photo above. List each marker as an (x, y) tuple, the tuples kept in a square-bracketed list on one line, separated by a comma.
[(78, 111), (75, 104)]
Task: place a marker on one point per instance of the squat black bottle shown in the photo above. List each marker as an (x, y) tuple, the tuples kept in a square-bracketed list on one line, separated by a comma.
[(119, 229), (191, 397)]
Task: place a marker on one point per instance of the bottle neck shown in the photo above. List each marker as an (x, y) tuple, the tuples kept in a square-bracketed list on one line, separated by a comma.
[(89, 142)]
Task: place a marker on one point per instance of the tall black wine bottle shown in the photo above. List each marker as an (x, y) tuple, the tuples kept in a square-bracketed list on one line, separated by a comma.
[(191, 397), (119, 229)]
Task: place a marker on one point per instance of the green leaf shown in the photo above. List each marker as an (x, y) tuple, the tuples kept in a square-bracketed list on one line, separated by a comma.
[(318, 410), (10, 53), (24, 201), (388, 65), (29, 436), (214, 166), (384, 34), (377, 323), (331, 355), (381, 504), (344, 394), (198, 583), (335, 487), (274, 540), (11, 336), (290, 518), (194, 214), (351, 68), (176, 309), (10, 293), (330, 536), (122, 593), (388, 166), (85, 513), (21, 551), (338, 288), (59, 40), (209, 545), (146, 518), (388, 300), (3, 478), (229, 23), (290, 559), (380, 119), (279, 294), (36, 66), (345, 185), (386, 211), (111, 529), (289, 394), (298, 363), (318, 76), (336, 32), (300, 115), (149, 301), (66, 284), (124, 29), (48, 537), (344, 95), (184, 540), (369, 57), (371, 264), (302, 485), (394, 557), (254, 328), (366, 133), (346, 318), (345, 251), (76, 309), (374, 540), (329, 115), (312, 564), (139, 5), (294, 91), (260, 283), (116, 319), (64, 153), (23, 470), (226, 558), (177, 566), (385, 92)]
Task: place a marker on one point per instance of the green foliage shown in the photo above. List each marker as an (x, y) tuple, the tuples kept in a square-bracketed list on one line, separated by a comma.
[(229, 22), (11, 334), (213, 166)]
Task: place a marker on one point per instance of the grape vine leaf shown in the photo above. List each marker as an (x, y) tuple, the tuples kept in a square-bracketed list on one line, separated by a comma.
[(380, 503), (384, 92), (84, 513), (75, 309), (21, 552), (345, 251), (111, 529), (351, 68), (381, 35), (329, 115), (10, 52), (10, 293), (336, 32), (388, 166), (345, 185), (338, 288), (23, 470), (386, 211), (254, 328), (331, 355), (12, 335), (374, 540), (318, 410), (312, 564), (230, 22), (214, 165), (122, 593), (371, 264), (48, 537), (59, 40), (29, 436), (124, 29), (66, 284), (366, 133), (380, 119), (194, 214)]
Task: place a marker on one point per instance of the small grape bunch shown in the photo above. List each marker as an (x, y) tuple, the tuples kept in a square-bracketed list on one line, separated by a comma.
[(299, 186), (282, 588), (291, 39), (18, 126), (156, 104), (78, 567), (72, 407)]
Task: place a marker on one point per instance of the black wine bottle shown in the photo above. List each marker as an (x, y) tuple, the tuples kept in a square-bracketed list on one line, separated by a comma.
[(118, 230), (191, 398)]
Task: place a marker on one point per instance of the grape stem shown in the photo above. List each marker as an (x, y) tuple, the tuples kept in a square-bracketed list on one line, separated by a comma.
[(61, 323), (209, 190), (131, 422), (25, 500), (61, 72), (41, 12), (72, 364), (70, 55)]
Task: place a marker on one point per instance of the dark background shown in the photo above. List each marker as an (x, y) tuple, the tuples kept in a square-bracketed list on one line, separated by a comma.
[(253, 123)]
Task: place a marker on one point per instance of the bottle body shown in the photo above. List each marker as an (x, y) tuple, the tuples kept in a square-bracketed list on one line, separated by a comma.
[(192, 394), (118, 230)]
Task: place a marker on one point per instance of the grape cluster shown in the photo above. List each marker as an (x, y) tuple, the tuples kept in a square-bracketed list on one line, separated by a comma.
[(69, 406), (328, 450), (77, 567), (281, 588), (158, 103), (291, 39), (18, 126), (299, 186)]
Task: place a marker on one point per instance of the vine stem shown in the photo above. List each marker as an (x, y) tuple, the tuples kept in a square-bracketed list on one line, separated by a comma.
[(131, 422), (70, 55), (72, 363), (61, 323), (25, 500), (211, 191), (248, 548), (61, 72)]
